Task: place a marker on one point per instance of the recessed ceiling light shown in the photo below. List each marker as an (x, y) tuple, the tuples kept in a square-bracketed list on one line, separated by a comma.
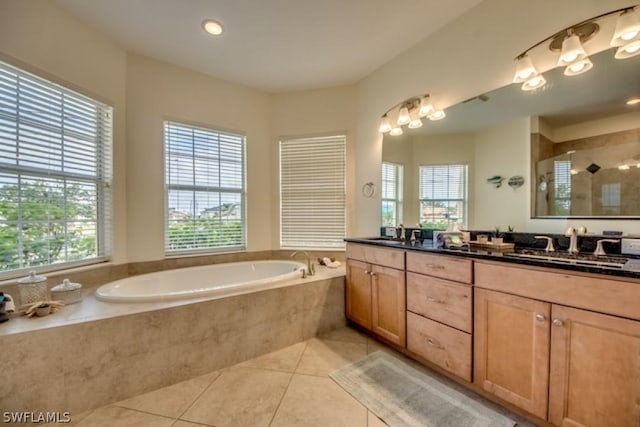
[(212, 27), (633, 101)]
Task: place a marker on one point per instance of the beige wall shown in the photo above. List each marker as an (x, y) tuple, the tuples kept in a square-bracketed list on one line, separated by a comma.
[(157, 91), (37, 36), (472, 55)]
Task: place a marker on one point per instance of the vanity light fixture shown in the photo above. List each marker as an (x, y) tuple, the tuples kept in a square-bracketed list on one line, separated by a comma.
[(578, 67), (409, 113), (403, 116), (397, 131), (627, 28), (628, 50), (415, 122), (633, 101), (572, 50), (385, 124), (569, 44), (212, 27), (524, 69), (437, 115)]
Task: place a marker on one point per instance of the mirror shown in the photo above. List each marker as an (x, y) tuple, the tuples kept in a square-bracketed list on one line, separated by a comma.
[(576, 136)]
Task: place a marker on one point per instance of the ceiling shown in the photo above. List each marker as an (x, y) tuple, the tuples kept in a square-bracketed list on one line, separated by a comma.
[(272, 45)]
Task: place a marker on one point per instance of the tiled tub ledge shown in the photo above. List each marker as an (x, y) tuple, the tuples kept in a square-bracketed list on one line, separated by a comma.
[(93, 353)]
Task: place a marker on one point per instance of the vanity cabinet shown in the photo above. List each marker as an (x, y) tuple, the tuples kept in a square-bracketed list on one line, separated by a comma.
[(439, 311), (376, 295), (572, 366), (511, 354)]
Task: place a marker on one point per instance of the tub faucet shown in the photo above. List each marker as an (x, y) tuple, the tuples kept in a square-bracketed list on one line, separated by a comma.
[(310, 268)]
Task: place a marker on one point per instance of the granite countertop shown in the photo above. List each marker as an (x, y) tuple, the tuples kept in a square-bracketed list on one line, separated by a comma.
[(611, 265)]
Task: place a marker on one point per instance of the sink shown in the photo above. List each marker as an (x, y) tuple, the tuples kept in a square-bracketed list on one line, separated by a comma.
[(386, 240), (571, 259)]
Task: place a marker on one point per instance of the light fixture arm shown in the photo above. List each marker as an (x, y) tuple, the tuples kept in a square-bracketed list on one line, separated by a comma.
[(563, 33)]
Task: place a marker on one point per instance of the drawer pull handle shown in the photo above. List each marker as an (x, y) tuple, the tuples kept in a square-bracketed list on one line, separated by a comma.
[(436, 266), (438, 301), (435, 344), (558, 322), (540, 317)]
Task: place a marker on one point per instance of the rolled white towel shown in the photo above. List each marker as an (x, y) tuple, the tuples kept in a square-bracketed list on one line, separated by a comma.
[(331, 264)]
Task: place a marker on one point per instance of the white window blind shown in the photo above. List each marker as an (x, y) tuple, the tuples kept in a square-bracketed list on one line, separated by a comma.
[(205, 189), (562, 187), (55, 174), (391, 194), (443, 195), (312, 192)]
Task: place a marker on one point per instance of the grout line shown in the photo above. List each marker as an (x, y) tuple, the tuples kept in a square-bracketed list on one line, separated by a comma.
[(306, 344), (200, 395)]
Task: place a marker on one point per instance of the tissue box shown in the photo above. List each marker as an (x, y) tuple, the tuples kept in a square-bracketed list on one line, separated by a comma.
[(67, 292)]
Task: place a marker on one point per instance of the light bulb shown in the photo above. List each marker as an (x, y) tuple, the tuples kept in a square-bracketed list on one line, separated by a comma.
[(627, 28), (534, 83), (572, 50), (524, 69), (396, 131), (425, 108), (403, 116), (628, 50), (415, 124), (437, 115), (385, 125), (578, 67)]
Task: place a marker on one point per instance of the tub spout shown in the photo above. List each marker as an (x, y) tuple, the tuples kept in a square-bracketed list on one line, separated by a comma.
[(310, 267)]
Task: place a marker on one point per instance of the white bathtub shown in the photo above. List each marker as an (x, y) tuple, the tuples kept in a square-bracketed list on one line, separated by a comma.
[(193, 282)]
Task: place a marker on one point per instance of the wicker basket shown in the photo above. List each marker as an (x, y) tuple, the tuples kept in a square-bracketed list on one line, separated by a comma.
[(67, 292)]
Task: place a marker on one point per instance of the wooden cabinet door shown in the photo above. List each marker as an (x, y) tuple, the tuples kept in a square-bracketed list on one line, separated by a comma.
[(389, 317), (511, 349), (359, 292), (595, 369)]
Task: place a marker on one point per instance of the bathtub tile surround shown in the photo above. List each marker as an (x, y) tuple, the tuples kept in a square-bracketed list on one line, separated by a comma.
[(270, 390), (82, 365)]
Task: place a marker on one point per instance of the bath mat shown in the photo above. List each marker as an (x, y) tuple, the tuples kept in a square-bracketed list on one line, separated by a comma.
[(401, 395)]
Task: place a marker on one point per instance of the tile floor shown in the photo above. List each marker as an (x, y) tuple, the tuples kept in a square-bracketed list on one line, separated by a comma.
[(289, 387)]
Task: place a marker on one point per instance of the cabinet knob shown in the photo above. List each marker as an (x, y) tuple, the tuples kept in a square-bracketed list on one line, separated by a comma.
[(540, 317), (558, 322)]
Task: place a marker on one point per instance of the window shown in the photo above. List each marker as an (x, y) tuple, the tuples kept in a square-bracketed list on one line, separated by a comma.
[(443, 195), (562, 187), (391, 194), (55, 174), (312, 192), (205, 189)]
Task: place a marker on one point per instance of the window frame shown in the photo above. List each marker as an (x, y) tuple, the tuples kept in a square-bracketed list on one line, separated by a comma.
[(62, 137), (338, 242), (398, 201), (464, 200), (176, 253)]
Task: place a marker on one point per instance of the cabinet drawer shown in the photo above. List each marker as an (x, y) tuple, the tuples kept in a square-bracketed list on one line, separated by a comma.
[(591, 292), (457, 269), (441, 300), (442, 345), (393, 258)]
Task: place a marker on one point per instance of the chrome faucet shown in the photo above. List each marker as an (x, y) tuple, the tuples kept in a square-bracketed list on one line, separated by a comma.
[(600, 250), (549, 240), (400, 233), (573, 240), (311, 270)]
